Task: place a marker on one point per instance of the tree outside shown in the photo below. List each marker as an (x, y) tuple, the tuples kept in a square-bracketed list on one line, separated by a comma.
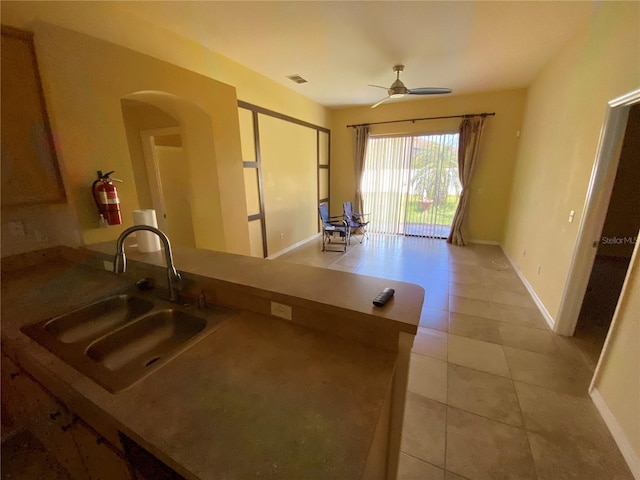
[(435, 187)]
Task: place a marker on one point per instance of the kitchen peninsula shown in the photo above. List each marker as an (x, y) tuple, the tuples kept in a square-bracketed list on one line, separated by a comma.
[(319, 395)]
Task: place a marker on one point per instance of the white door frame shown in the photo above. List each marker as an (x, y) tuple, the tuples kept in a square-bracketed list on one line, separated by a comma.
[(595, 210), (153, 172)]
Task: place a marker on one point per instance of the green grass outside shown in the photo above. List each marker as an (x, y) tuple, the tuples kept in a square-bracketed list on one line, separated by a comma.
[(443, 215), (415, 212)]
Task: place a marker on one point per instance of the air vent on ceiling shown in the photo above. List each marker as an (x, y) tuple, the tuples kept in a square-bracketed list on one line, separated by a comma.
[(296, 78)]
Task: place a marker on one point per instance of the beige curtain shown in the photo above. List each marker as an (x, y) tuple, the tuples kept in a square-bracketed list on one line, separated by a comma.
[(361, 136), (468, 146)]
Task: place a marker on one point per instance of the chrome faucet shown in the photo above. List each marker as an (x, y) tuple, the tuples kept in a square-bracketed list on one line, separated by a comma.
[(120, 261)]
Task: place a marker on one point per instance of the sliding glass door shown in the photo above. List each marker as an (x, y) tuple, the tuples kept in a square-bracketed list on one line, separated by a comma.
[(410, 184)]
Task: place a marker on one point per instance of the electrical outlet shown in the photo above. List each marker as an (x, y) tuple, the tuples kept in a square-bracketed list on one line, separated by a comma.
[(572, 214), (108, 266), (41, 237), (280, 310), (282, 236)]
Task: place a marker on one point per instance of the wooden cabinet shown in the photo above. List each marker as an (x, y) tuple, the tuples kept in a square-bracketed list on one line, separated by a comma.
[(53, 426), (18, 407), (30, 171), (101, 459), (77, 447)]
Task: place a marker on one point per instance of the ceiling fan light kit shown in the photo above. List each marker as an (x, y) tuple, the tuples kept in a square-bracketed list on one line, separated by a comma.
[(399, 90)]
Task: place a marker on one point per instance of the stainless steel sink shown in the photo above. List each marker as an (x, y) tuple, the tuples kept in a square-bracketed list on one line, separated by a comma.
[(121, 339), (142, 343), (97, 318)]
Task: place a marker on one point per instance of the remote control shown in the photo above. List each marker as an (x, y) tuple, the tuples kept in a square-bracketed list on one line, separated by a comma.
[(383, 297)]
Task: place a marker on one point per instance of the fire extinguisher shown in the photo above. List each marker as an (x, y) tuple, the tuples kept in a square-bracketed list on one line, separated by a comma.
[(105, 194)]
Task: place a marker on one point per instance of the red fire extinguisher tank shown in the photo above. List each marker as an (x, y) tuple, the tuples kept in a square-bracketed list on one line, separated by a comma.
[(105, 194)]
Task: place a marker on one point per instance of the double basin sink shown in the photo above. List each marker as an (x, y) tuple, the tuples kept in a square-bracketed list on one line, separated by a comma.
[(118, 340)]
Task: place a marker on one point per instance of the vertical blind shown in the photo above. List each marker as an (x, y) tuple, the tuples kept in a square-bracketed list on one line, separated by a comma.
[(410, 184)]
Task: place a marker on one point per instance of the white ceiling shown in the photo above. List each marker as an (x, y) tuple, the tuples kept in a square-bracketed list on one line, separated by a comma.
[(340, 47)]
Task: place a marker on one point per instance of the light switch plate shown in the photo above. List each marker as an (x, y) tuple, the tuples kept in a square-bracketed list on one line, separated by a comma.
[(16, 228)]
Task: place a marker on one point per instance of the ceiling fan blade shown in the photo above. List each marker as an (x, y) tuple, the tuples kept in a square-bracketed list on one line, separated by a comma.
[(381, 101), (378, 86), (428, 91)]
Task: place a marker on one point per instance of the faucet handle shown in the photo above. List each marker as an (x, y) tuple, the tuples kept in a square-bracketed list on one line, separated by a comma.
[(145, 284)]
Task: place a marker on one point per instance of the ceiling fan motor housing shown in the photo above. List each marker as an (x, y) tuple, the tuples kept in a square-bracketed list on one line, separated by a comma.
[(397, 89)]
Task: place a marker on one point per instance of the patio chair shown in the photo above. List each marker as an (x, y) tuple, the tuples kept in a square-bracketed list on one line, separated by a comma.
[(331, 227), (357, 222)]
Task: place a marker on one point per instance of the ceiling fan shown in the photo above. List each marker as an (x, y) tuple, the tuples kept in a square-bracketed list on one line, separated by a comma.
[(398, 90)]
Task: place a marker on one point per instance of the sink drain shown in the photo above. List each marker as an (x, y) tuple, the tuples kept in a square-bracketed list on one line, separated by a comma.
[(152, 361)]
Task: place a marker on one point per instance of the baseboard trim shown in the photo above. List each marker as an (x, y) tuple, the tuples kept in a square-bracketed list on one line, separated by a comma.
[(295, 245), (484, 242), (630, 456), (543, 310)]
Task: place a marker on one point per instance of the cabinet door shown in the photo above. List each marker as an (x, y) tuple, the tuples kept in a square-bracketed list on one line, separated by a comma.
[(100, 458), (53, 426), (30, 171), (18, 407)]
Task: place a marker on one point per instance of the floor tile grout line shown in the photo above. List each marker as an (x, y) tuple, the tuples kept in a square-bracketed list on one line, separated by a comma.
[(428, 356), (524, 423), (470, 413), (561, 392), (446, 429), (421, 459)]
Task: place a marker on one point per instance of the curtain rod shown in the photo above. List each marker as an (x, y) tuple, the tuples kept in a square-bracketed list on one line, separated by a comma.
[(466, 115)]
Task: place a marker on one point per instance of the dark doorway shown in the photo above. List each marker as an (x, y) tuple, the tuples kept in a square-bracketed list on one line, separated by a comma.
[(617, 241)]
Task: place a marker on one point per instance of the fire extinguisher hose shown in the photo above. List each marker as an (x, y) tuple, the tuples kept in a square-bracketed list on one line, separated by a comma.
[(95, 197)]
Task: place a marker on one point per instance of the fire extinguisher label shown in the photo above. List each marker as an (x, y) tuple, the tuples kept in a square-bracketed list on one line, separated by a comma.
[(107, 198)]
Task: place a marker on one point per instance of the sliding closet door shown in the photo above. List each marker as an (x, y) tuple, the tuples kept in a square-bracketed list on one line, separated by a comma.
[(290, 170), (286, 165), (249, 137)]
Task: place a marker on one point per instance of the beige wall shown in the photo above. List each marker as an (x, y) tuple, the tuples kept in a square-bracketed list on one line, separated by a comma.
[(44, 226), (618, 380), (564, 115), (74, 73), (84, 81), (492, 185)]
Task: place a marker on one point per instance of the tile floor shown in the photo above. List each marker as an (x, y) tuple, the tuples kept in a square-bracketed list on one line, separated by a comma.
[(493, 393)]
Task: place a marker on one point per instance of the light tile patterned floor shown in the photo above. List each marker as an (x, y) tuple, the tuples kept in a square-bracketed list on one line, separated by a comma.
[(493, 393)]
